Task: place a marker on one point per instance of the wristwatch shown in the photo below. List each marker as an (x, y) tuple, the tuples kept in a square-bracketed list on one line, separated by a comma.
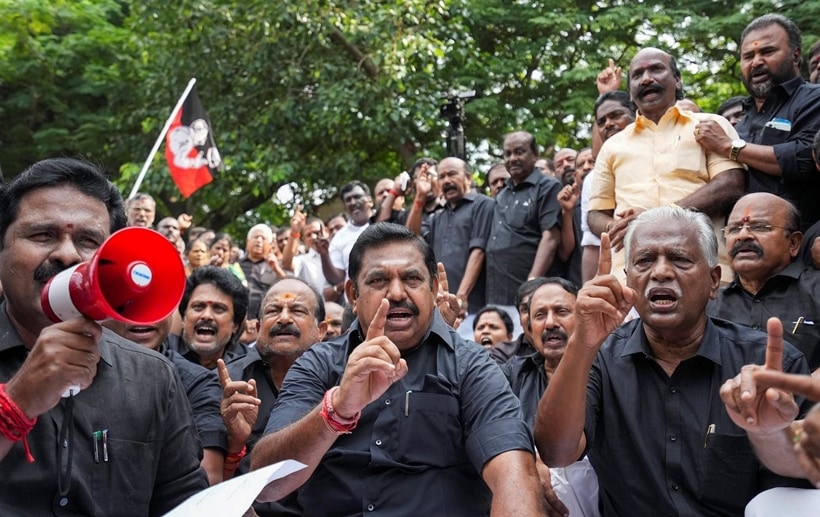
[(737, 145)]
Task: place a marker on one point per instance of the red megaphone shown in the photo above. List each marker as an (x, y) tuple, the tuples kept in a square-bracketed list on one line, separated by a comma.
[(136, 277)]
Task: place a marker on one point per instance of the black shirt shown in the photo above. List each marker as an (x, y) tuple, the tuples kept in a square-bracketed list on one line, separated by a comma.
[(788, 121), (260, 277), (647, 432), (420, 448), (505, 350), (522, 213), (528, 380), (252, 366), (204, 394), (791, 295), (152, 446), (454, 233)]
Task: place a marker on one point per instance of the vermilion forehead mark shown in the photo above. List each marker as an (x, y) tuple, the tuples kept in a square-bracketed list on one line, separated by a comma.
[(70, 226), (286, 297), (745, 218)]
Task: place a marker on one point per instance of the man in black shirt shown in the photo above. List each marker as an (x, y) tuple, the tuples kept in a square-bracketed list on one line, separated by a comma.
[(526, 227), (125, 444), (644, 402), (763, 242), (782, 115), (213, 309), (400, 416)]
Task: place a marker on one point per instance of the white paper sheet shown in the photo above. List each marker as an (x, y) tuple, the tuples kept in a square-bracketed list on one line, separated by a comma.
[(232, 498)]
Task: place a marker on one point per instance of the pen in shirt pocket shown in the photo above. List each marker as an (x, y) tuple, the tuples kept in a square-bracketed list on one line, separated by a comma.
[(709, 431), (801, 321)]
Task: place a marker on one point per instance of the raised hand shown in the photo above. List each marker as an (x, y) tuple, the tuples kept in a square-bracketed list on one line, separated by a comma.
[(297, 222), (239, 407), (568, 197), (65, 354), (609, 79), (372, 368), (750, 403), (449, 305), (184, 221), (602, 303)]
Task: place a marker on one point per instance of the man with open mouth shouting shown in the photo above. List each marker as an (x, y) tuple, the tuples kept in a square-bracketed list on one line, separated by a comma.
[(400, 415)]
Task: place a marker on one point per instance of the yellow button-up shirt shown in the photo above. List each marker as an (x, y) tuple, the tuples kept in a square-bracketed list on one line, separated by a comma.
[(649, 165)]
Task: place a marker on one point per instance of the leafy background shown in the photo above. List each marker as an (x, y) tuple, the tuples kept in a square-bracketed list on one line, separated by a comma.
[(312, 94)]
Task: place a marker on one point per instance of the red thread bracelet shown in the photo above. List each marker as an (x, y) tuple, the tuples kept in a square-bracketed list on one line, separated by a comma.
[(394, 192), (14, 424), (237, 456), (334, 422)]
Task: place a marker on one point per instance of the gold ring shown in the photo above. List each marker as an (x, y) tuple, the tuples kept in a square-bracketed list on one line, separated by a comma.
[(697, 130)]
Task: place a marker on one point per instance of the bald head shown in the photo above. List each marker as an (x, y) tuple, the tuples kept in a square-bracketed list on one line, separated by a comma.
[(453, 179), (762, 237)]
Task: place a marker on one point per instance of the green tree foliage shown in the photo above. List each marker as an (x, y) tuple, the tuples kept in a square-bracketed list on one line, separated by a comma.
[(314, 93)]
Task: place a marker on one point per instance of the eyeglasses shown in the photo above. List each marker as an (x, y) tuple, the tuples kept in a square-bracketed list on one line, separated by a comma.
[(756, 228)]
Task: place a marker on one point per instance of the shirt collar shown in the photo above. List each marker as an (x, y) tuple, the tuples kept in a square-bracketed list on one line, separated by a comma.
[(673, 113), (637, 343), (532, 179), (793, 271)]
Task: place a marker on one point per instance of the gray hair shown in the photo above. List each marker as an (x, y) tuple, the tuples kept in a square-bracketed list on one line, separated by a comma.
[(265, 229), (683, 218)]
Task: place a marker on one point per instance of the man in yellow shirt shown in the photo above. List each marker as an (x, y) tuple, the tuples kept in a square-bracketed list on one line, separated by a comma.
[(658, 160)]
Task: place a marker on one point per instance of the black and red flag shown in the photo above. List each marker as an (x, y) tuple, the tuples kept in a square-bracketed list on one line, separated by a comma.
[(190, 148)]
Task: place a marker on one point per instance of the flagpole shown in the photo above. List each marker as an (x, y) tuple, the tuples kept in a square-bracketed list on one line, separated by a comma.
[(161, 137)]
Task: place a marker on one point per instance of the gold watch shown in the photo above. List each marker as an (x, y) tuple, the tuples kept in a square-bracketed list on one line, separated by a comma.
[(737, 145)]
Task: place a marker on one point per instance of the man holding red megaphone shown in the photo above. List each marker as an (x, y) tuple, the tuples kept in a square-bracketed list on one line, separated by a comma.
[(125, 444)]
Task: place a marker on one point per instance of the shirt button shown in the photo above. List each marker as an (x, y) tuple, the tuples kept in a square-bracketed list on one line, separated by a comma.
[(755, 327), (63, 501), (757, 300), (370, 508), (675, 487), (387, 402), (379, 443), (673, 390), (673, 438)]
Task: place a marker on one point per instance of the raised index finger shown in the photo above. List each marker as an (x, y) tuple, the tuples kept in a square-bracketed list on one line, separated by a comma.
[(774, 345), (443, 284), (222, 370), (605, 256), (379, 320)]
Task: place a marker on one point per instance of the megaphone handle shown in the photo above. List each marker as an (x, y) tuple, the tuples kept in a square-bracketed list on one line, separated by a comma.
[(71, 391)]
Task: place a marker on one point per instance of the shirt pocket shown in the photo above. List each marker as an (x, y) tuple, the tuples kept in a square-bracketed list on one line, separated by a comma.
[(728, 471), (690, 162), (123, 485), (431, 432)]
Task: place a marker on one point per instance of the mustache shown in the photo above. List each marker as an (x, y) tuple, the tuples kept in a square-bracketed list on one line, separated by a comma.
[(550, 333), (48, 270), (206, 326), (405, 304), (642, 90), (290, 328), (675, 290), (746, 246)]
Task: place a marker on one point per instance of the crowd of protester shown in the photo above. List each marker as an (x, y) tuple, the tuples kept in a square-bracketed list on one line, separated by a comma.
[(624, 329)]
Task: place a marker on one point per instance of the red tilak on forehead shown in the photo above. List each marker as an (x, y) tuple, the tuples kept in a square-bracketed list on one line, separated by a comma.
[(745, 218)]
